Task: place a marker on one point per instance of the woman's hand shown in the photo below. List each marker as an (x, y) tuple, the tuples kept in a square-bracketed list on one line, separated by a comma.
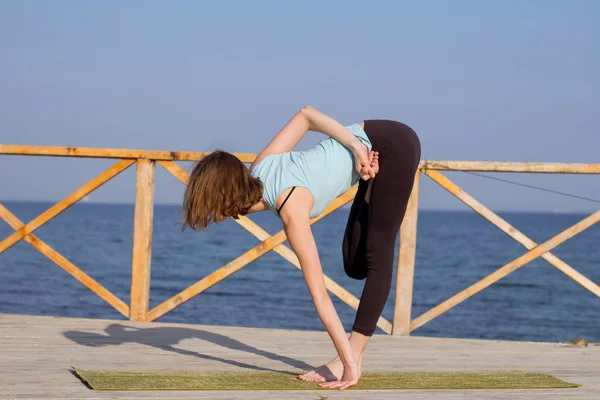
[(362, 163), (349, 378)]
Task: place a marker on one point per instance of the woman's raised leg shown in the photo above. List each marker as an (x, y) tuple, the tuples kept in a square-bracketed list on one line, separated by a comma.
[(399, 154)]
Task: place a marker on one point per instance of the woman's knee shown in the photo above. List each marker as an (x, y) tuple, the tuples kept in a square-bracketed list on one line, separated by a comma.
[(356, 268), (381, 259)]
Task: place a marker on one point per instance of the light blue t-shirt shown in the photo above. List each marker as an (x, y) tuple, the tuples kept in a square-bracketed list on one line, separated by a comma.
[(326, 170)]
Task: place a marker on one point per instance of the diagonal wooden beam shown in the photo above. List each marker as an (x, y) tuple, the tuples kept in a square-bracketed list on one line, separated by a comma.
[(511, 231), (65, 203), (506, 269), (286, 252), (65, 264)]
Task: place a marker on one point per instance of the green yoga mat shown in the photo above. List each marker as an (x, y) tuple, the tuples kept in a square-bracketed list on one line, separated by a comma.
[(251, 380)]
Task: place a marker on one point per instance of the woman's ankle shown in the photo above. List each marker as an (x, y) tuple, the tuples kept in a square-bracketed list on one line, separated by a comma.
[(358, 344)]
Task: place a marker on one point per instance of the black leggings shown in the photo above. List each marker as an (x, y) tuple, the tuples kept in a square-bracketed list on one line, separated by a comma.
[(370, 235)]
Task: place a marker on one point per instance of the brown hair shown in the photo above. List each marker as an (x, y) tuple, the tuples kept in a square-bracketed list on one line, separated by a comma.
[(220, 186)]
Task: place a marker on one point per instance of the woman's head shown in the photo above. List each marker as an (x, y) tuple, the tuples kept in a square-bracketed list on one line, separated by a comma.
[(220, 186)]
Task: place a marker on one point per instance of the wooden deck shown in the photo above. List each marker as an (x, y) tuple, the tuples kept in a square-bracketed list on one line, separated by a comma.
[(36, 354)]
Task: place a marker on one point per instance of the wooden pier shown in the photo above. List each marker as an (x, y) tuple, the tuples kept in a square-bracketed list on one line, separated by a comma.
[(37, 352)]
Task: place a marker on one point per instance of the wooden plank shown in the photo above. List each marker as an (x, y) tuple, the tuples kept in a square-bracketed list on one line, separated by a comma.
[(94, 152), (512, 231), (65, 264), (65, 203), (406, 263), (496, 166), (142, 240), (285, 251), (505, 270)]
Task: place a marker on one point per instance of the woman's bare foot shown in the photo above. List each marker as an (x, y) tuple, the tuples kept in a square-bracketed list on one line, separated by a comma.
[(373, 158), (332, 371), (349, 378)]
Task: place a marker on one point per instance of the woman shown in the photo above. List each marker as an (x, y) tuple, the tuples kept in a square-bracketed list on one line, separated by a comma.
[(383, 155)]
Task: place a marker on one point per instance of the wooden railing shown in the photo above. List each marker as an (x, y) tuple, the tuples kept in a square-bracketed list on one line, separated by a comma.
[(402, 324)]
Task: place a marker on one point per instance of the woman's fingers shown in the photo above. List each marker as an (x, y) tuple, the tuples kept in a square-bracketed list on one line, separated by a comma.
[(307, 376), (331, 385), (367, 173), (362, 161), (366, 163), (347, 384), (313, 377), (338, 384)]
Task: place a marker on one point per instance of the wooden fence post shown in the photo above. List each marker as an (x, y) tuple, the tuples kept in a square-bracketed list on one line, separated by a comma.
[(142, 240), (406, 263)]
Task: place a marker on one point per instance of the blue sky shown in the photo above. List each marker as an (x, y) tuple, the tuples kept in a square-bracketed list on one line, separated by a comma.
[(477, 80)]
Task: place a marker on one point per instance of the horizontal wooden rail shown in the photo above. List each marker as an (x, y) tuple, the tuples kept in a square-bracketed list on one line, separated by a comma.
[(94, 152), (496, 166), (164, 155)]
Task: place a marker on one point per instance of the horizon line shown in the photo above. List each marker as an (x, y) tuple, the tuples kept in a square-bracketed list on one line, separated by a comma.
[(110, 203)]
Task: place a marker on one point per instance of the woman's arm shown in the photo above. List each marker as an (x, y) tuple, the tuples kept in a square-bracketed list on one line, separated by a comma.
[(311, 119), (296, 222)]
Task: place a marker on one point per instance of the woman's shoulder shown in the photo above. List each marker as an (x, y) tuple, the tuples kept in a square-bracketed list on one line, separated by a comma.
[(263, 165)]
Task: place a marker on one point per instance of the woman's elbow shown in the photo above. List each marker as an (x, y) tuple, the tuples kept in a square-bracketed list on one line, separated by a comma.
[(308, 114)]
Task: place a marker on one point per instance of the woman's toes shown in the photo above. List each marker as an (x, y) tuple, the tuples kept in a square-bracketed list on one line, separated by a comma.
[(309, 375), (304, 376)]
